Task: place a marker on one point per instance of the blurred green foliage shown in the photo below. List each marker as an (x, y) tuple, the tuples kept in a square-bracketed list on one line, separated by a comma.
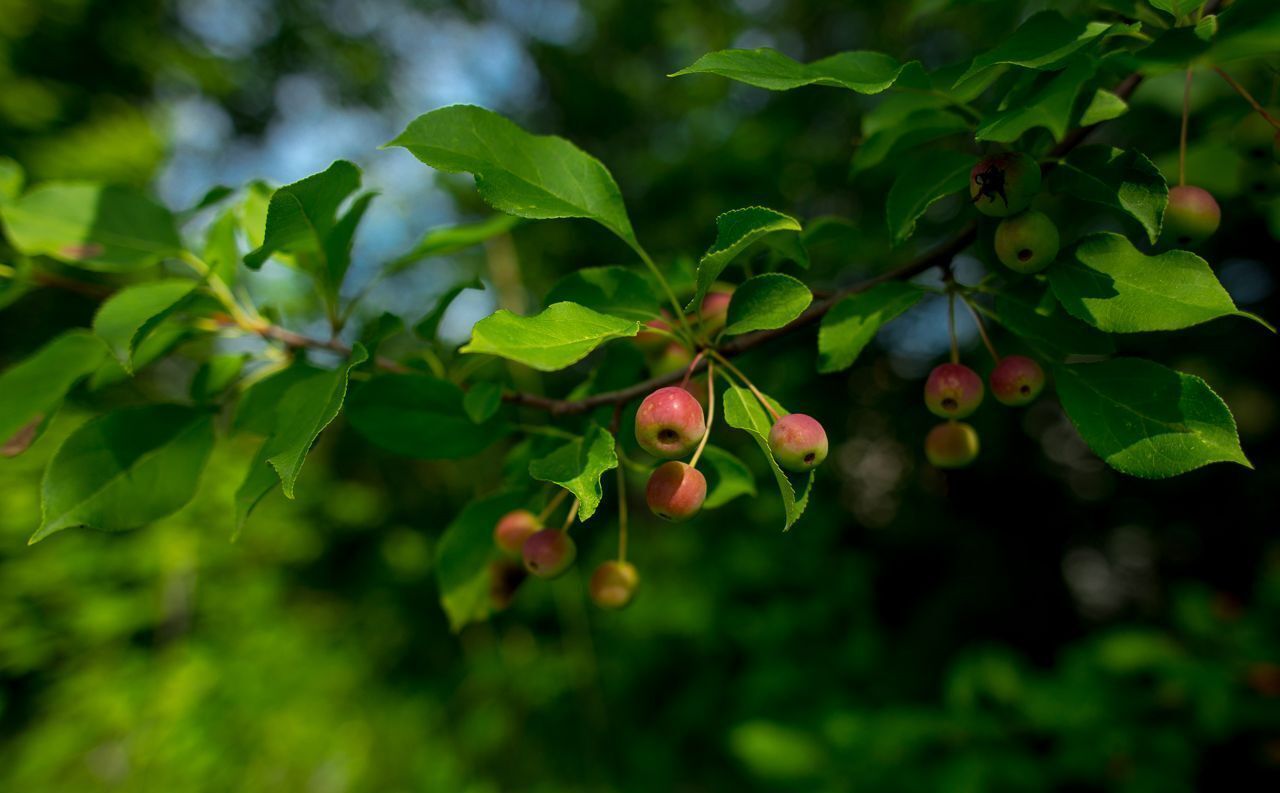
[(1034, 624)]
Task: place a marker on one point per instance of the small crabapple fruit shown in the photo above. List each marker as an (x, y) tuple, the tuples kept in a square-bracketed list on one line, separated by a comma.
[(613, 584), (675, 357), (1192, 215), (505, 577), (798, 442), (1016, 381), (548, 553), (670, 422), (513, 529), (952, 444), (1004, 184), (1027, 243), (676, 491), (715, 310), (953, 391)]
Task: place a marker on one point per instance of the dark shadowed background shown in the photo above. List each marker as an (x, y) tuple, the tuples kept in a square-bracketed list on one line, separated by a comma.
[(1037, 622)]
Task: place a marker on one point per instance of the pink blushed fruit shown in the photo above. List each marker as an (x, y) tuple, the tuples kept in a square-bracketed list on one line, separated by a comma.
[(1191, 217), (548, 553), (798, 442), (670, 422), (613, 584), (715, 311), (676, 491), (1016, 381), (953, 391), (513, 529)]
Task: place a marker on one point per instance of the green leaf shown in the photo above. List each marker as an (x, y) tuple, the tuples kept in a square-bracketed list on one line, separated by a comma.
[(125, 469), (577, 467), (419, 416), (216, 375), (429, 326), (929, 177), (1113, 286), (463, 556), (921, 126), (307, 408), (130, 315), (451, 239), (32, 389), (1032, 314), (1049, 106), (159, 342), (1147, 420), (742, 411), (1104, 106), (532, 176), (1178, 48), (861, 71), (12, 179), (765, 302), (558, 336), (727, 477), (259, 480), (736, 231), (98, 227), (302, 220), (482, 401), (1178, 9), (222, 246), (850, 325), (1044, 42), (256, 412), (1122, 180), (617, 291)]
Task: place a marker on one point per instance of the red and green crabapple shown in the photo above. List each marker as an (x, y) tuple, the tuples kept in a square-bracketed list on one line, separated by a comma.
[(1192, 215), (548, 553), (952, 444), (1017, 380), (676, 491), (513, 529), (670, 422), (613, 584), (675, 357), (953, 391), (1027, 243), (715, 310), (798, 442), (1004, 184)]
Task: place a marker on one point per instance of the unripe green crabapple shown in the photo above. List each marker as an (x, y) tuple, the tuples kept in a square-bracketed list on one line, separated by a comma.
[(952, 444), (1027, 243)]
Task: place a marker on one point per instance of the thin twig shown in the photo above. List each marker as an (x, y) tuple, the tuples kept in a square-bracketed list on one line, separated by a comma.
[(982, 328), (1248, 97), (711, 415)]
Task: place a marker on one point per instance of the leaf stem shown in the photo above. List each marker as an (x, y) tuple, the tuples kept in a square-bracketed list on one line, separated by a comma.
[(568, 519), (666, 287), (688, 372), (552, 504), (982, 328), (747, 382), (1248, 97), (220, 290), (711, 415)]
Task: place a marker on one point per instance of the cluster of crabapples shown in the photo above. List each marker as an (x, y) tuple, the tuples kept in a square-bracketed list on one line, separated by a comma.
[(547, 552)]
